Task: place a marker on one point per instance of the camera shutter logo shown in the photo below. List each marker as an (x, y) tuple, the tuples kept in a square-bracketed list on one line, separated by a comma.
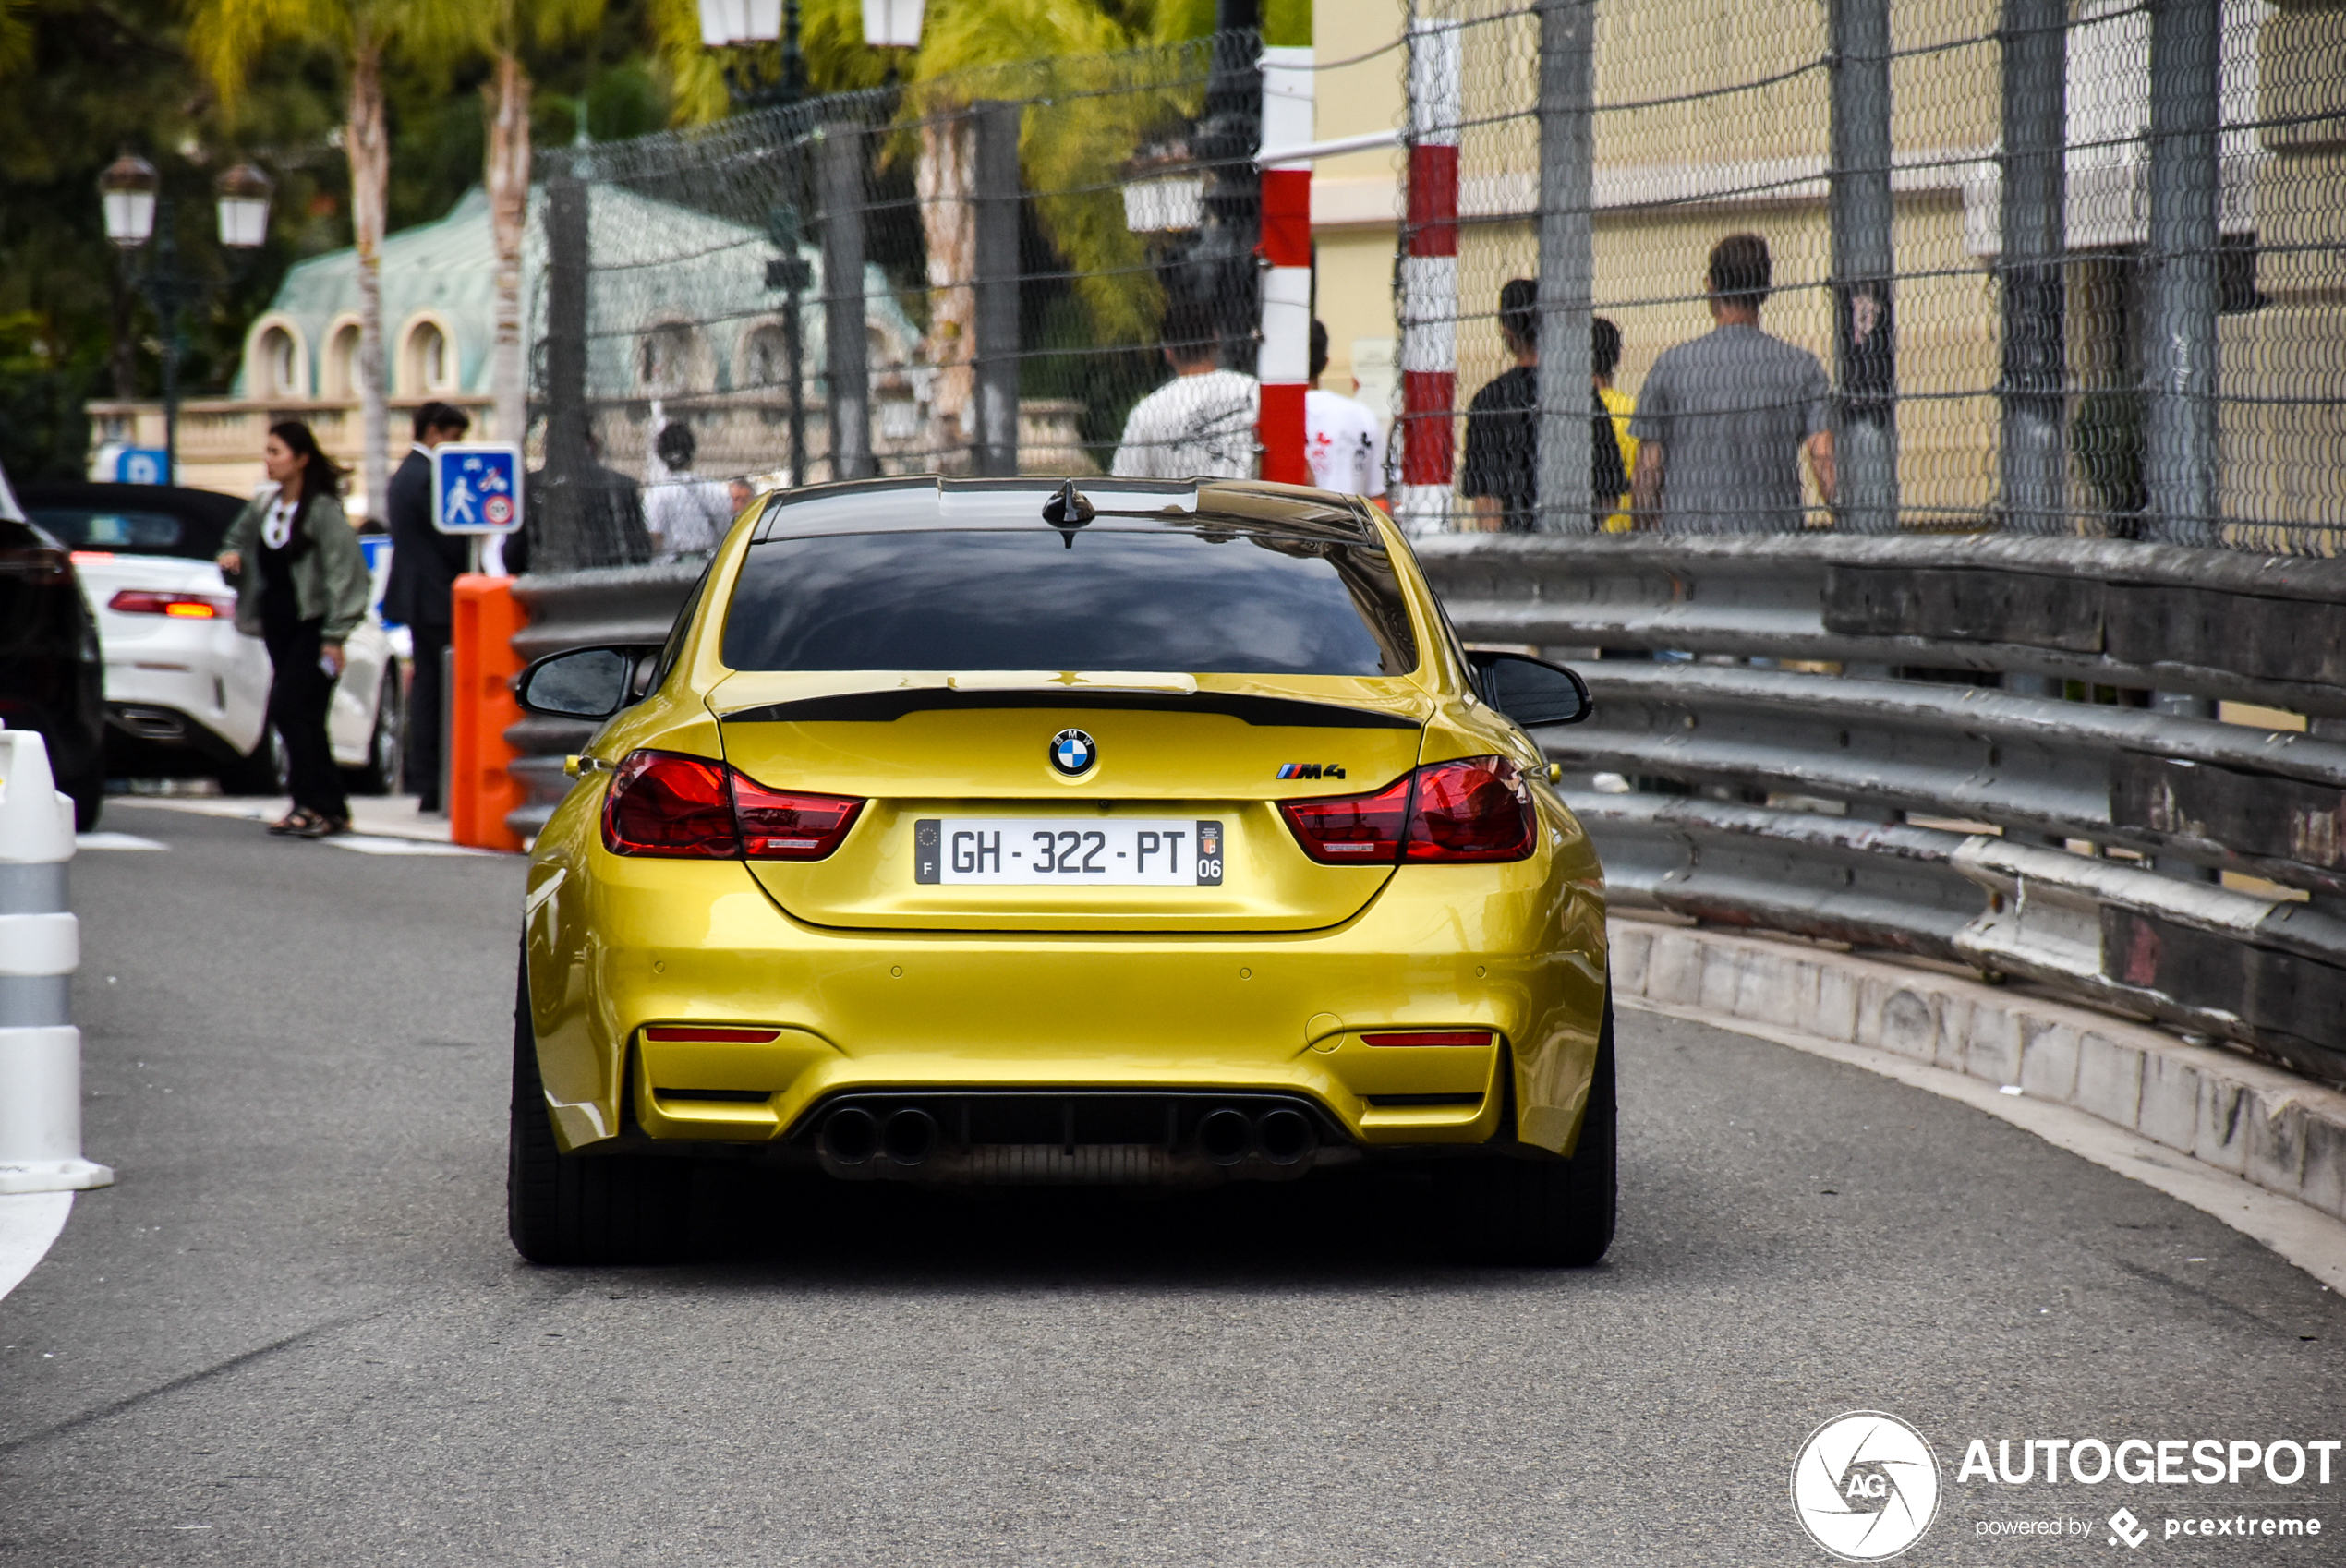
[(1865, 1486)]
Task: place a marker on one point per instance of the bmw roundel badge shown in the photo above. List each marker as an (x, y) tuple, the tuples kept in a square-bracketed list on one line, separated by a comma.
[(1072, 752)]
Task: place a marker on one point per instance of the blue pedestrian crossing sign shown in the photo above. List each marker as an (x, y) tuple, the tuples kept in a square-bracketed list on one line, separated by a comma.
[(476, 487)]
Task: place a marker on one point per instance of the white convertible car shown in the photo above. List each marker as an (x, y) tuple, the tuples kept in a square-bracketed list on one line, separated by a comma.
[(186, 691)]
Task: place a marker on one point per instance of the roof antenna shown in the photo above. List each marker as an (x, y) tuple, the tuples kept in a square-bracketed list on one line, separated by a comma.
[(1068, 511)]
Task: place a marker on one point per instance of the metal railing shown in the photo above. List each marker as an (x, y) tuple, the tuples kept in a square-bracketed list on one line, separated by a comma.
[(1893, 743)]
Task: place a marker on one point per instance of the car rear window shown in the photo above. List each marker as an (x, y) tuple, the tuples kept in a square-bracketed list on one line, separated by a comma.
[(131, 533), (1203, 601)]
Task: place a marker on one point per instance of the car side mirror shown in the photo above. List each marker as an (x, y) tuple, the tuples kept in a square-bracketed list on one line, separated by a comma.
[(1531, 690), (586, 682)]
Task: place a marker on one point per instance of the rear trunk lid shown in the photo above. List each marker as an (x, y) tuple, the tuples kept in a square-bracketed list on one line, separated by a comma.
[(975, 820)]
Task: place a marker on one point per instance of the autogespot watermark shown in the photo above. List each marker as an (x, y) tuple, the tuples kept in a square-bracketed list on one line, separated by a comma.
[(1866, 1486)]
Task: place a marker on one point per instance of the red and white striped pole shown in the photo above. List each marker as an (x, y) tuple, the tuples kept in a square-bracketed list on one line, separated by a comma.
[(1430, 278), (1284, 366)]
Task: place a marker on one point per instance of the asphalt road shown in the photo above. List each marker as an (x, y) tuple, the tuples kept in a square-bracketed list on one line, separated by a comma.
[(294, 1333)]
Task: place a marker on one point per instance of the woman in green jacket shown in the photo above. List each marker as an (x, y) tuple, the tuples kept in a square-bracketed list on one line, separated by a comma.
[(303, 591)]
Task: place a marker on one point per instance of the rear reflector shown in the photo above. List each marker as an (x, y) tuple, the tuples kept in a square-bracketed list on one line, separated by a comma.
[(1429, 1037), (708, 1034)]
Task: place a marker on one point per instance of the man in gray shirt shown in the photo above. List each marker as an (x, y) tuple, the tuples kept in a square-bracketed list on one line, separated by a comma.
[(1721, 421)]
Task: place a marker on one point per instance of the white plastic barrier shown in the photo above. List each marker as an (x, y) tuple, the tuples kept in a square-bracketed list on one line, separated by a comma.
[(40, 948)]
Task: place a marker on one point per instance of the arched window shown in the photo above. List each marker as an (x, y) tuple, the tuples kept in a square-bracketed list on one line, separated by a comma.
[(428, 361), (763, 362), (664, 359), (274, 368), (339, 374)]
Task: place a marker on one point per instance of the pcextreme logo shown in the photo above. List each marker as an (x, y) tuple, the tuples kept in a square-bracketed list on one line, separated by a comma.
[(1865, 1486)]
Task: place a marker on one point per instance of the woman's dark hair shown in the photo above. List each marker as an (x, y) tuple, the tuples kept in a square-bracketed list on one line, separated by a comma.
[(1741, 269), (323, 476)]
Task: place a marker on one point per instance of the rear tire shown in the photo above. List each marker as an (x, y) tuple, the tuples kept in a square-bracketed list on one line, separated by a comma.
[(1538, 1211), (564, 1209)]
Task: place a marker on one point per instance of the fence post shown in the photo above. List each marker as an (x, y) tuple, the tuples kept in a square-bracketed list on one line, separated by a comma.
[(40, 948), (558, 516), (1567, 263), (1428, 268), (996, 181), (2032, 452), (1865, 320), (2179, 292), (847, 375), (1283, 366)]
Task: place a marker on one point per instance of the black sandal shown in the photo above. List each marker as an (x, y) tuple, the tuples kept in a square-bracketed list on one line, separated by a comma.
[(319, 826), (292, 822)]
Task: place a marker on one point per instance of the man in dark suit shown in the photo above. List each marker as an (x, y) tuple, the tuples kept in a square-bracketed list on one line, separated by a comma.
[(425, 564)]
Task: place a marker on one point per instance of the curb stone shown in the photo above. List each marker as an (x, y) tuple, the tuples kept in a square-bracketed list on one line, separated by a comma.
[(2223, 1111)]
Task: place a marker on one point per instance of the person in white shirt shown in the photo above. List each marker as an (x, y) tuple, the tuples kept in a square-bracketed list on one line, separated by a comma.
[(1341, 438), (683, 513), (1200, 424)]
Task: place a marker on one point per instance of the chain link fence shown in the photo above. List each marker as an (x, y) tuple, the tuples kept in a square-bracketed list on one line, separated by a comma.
[(2042, 266), (972, 275)]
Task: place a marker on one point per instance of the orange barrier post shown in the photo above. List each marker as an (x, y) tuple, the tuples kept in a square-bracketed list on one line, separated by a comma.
[(481, 787)]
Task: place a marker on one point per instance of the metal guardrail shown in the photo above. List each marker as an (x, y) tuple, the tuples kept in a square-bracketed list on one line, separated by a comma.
[(576, 609), (1997, 627)]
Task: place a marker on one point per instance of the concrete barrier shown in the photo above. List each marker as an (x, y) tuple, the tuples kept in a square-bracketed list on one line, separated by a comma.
[(2263, 1125), (40, 948)]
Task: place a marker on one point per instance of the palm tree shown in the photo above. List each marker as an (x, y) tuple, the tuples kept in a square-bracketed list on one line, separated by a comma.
[(503, 29), (229, 37)]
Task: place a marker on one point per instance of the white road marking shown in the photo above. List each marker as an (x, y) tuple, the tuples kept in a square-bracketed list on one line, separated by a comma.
[(115, 841), (366, 844), (29, 1222), (2303, 1235)]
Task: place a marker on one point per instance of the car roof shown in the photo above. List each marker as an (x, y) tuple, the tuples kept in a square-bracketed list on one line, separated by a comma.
[(927, 503), (179, 500)]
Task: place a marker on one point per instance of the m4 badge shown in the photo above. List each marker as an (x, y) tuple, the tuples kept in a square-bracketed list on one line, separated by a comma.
[(1311, 770)]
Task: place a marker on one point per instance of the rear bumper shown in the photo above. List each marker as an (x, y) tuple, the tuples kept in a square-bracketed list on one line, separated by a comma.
[(1517, 951)]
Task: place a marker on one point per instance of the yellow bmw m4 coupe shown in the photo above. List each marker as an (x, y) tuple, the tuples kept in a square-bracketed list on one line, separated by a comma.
[(1004, 832)]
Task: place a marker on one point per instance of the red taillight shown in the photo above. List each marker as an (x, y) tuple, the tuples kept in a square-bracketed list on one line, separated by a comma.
[(1429, 1037), (182, 606), (1352, 829), (665, 804), (1474, 809), (783, 824)]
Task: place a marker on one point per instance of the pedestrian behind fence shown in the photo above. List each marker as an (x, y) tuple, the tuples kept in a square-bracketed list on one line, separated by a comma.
[(683, 513), (1200, 424), (421, 592), (1500, 475), (1722, 421), (302, 588), (1341, 438), (1604, 358)]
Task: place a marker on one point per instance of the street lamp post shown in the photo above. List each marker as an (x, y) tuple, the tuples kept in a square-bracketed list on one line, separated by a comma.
[(137, 211)]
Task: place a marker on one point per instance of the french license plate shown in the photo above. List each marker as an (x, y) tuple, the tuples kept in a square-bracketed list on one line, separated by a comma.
[(1003, 851)]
